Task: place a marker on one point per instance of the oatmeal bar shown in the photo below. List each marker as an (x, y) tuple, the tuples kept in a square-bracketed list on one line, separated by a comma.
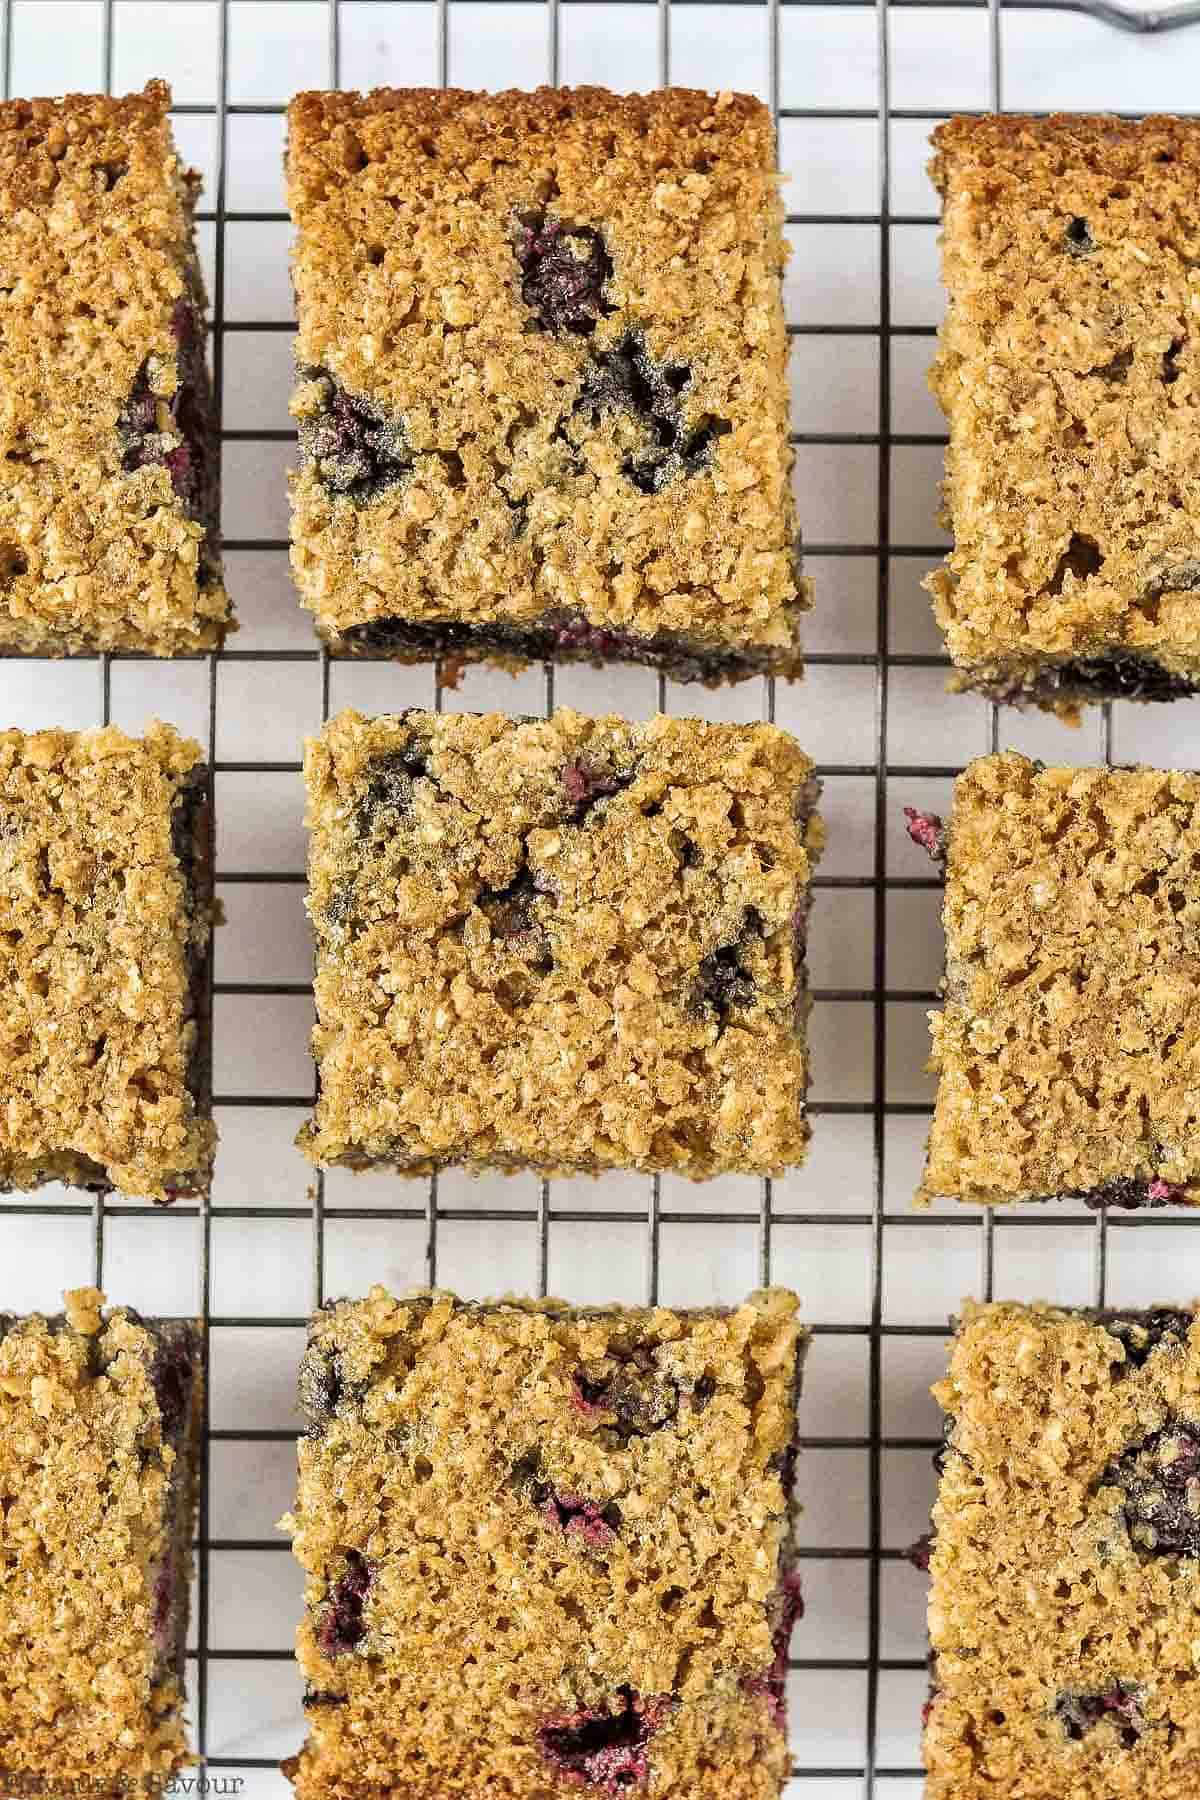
[(105, 919), (547, 1549), (1065, 1561), (1067, 374), (99, 1467), (569, 944), (108, 444), (1066, 1049), (542, 362)]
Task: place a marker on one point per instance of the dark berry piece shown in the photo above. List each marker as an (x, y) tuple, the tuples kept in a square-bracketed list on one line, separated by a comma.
[(628, 379), (343, 1627), (510, 912), (927, 831), (564, 269), (147, 424), (1080, 1713), (1143, 1332), (593, 1524), (1128, 1193), (918, 1554), (1115, 676), (314, 1697), (358, 452), (389, 788), (633, 1400), (171, 1374), (783, 1464), (1078, 239), (723, 983), (1160, 1479), (606, 1749), (703, 1392), (1170, 361), (586, 783), (773, 1683)]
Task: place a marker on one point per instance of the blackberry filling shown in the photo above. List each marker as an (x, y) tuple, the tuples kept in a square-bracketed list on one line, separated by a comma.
[(175, 433), (1080, 1713), (927, 831), (592, 1523), (723, 981), (343, 1627), (389, 789), (773, 1684), (562, 636), (1144, 1332), (564, 269), (1160, 1479), (919, 1553), (586, 783), (1126, 1192), (606, 1750), (171, 1374), (628, 379), (357, 451), (1119, 675), (633, 1400)]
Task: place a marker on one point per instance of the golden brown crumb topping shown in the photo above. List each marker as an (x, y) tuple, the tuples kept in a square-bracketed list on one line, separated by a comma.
[(543, 362), (98, 1450), (544, 1548), (109, 470), (1068, 374), (99, 944), (570, 944), (1063, 1627), (1066, 1047)]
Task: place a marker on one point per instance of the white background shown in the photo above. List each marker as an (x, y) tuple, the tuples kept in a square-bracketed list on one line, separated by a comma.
[(878, 1282)]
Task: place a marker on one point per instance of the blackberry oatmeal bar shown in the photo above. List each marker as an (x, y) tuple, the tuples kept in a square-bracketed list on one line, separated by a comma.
[(569, 944), (547, 1549), (105, 919), (1065, 1560), (1068, 376), (542, 379), (108, 446), (1066, 1048), (99, 1469)]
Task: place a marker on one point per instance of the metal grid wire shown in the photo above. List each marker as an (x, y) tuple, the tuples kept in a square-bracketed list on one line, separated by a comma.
[(870, 1775)]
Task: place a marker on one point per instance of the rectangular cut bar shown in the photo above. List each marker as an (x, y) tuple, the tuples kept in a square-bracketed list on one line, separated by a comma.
[(105, 922), (1068, 375), (109, 456), (548, 1551), (99, 1466), (542, 360), (1066, 1051), (1065, 1558), (567, 944)]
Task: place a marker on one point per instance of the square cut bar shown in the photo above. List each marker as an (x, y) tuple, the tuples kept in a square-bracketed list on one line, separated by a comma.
[(99, 1469), (1067, 1048), (109, 457), (1065, 1558), (565, 944), (1069, 373), (105, 921), (549, 1552), (542, 360)]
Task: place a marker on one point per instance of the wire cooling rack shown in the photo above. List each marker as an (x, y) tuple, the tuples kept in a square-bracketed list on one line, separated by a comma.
[(856, 88)]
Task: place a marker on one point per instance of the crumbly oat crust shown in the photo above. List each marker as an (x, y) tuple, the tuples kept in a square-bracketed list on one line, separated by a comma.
[(567, 944), (105, 920), (1067, 1045), (99, 1458), (1068, 375), (543, 377), (1063, 1628), (546, 1549), (108, 502)]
